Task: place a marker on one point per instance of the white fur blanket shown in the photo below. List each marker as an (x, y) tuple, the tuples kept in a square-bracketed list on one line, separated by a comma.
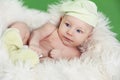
[(100, 62)]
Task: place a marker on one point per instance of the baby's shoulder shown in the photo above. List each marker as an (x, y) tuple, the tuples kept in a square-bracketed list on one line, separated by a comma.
[(50, 25)]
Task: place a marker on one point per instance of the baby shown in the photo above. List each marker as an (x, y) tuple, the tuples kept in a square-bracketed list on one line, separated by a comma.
[(62, 41)]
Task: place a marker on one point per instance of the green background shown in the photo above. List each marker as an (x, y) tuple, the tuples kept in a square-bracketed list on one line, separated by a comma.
[(110, 8)]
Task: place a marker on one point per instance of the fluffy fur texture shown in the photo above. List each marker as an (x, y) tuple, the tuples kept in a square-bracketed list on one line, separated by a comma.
[(101, 61)]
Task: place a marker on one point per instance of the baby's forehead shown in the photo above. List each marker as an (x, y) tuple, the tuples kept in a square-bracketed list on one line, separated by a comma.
[(75, 22)]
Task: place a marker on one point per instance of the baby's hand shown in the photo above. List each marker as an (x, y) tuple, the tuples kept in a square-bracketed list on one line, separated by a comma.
[(55, 54), (36, 49)]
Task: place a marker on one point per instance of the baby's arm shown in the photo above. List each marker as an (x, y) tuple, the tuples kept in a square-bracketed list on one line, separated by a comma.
[(64, 54), (39, 34)]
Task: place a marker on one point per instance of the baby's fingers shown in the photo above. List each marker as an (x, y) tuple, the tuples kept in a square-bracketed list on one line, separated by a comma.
[(54, 54)]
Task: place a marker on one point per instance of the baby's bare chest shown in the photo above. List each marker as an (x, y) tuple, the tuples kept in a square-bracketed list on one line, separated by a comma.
[(51, 42)]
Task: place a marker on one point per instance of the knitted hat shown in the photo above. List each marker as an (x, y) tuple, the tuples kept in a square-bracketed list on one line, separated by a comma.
[(84, 10)]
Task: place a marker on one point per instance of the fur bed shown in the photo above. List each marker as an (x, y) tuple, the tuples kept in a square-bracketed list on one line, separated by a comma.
[(100, 62)]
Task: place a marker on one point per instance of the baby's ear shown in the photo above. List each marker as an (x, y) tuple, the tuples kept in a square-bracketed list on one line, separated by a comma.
[(90, 35), (91, 32)]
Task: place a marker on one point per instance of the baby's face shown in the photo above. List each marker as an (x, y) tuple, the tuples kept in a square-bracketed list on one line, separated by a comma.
[(73, 32)]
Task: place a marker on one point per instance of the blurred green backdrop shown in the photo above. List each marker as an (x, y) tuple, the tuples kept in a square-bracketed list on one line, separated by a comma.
[(109, 8)]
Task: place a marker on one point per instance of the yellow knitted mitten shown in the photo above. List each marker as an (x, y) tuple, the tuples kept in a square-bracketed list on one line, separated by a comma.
[(17, 51)]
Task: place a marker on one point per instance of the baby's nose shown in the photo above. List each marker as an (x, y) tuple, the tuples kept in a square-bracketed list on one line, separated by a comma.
[(70, 31)]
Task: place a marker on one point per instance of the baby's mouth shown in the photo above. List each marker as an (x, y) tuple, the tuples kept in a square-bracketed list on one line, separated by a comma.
[(67, 39)]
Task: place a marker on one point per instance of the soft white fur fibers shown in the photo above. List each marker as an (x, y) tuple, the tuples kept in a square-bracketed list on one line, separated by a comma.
[(101, 61)]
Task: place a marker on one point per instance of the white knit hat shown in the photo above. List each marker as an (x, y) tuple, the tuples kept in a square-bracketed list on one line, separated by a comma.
[(84, 10)]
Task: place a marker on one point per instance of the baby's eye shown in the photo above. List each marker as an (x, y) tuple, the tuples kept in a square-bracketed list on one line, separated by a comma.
[(78, 30), (67, 24)]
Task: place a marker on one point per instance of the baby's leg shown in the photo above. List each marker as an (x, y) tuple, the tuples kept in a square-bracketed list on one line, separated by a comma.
[(24, 30)]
